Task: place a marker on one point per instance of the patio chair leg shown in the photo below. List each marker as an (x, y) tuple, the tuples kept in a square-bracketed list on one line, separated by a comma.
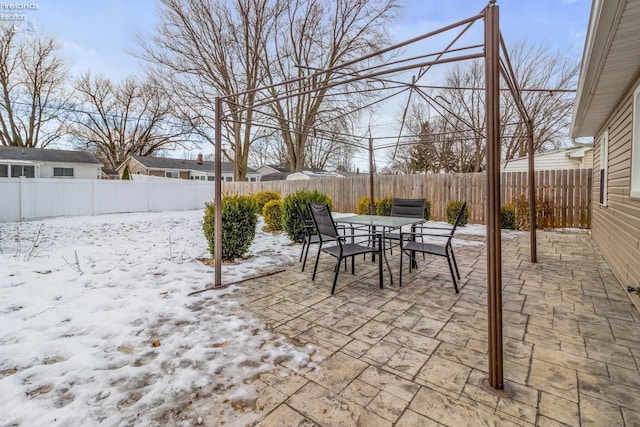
[(412, 256), (401, 252), (455, 284), (380, 268), (306, 254), (335, 277), (315, 267), (304, 243), (455, 264)]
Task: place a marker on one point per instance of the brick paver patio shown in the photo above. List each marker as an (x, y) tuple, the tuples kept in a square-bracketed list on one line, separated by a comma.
[(416, 355)]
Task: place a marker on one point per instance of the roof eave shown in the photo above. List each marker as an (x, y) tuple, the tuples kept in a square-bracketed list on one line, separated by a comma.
[(603, 20)]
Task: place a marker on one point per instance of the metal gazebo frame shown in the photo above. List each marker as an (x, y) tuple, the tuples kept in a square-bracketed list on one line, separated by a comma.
[(494, 68)]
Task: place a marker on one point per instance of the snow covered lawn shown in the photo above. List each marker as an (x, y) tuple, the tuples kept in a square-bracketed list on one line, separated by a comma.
[(96, 324)]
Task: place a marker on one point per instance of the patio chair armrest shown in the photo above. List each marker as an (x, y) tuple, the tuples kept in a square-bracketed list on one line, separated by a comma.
[(427, 227), (416, 234)]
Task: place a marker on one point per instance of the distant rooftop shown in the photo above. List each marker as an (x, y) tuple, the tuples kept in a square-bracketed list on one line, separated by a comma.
[(46, 155), (184, 164)]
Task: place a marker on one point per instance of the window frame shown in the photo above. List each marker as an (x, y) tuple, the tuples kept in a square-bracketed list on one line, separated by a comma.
[(604, 168), (22, 171), (63, 169), (172, 174), (634, 187)]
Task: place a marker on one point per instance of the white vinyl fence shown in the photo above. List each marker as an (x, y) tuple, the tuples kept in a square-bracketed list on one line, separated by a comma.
[(32, 198)]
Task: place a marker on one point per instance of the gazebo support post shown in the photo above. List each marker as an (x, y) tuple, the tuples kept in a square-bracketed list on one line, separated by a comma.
[(494, 384), (217, 244), (532, 193), (372, 209)]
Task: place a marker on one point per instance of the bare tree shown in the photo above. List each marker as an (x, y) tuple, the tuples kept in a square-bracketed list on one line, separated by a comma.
[(267, 151), (32, 79), (462, 110), (430, 144), (202, 49), (321, 35), (538, 68), (129, 118)]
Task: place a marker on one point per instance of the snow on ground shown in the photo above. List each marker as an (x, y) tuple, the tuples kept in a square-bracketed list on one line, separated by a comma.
[(96, 324), (83, 300)]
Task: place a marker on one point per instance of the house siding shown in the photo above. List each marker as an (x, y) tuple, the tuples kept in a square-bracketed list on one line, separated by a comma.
[(587, 161), (550, 161), (616, 226), (80, 171)]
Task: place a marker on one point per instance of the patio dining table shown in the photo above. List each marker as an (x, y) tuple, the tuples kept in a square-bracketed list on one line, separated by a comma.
[(384, 223)]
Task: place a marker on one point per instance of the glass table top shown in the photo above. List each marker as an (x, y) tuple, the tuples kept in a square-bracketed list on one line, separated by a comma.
[(379, 220)]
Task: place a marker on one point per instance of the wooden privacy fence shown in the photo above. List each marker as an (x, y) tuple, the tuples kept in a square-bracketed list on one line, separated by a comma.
[(569, 190)]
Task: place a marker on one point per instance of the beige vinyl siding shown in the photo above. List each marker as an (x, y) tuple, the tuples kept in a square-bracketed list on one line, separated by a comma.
[(587, 160), (544, 161), (136, 168), (616, 227)]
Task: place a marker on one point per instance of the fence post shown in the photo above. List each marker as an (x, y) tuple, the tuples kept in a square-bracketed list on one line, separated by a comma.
[(93, 197), (23, 198)]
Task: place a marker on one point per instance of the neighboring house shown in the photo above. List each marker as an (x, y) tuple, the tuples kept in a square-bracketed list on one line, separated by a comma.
[(279, 173), (313, 174), (47, 163), (578, 157), (107, 173), (271, 169), (608, 108), (165, 167)]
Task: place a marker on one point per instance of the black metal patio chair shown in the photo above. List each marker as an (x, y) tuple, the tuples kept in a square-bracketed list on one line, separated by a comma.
[(412, 208), (343, 249), (438, 243), (310, 234)]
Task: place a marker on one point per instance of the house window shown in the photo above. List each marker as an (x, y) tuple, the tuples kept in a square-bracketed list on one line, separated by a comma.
[(172, 174), (604, 160), (251, 178), (228, 178), (635, 146), (63, 172), (26, 171), (4, 171), (211, 178)]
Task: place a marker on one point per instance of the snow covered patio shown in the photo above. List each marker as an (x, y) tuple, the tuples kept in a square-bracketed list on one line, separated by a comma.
[(98, 325)]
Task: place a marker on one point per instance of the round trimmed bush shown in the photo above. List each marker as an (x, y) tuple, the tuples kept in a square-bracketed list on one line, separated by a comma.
[(272, 213), (291, 222), (427, 210), (263, 197), (453, 207), (383, 206), (363, 205), (508, 217), (239, 219)]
